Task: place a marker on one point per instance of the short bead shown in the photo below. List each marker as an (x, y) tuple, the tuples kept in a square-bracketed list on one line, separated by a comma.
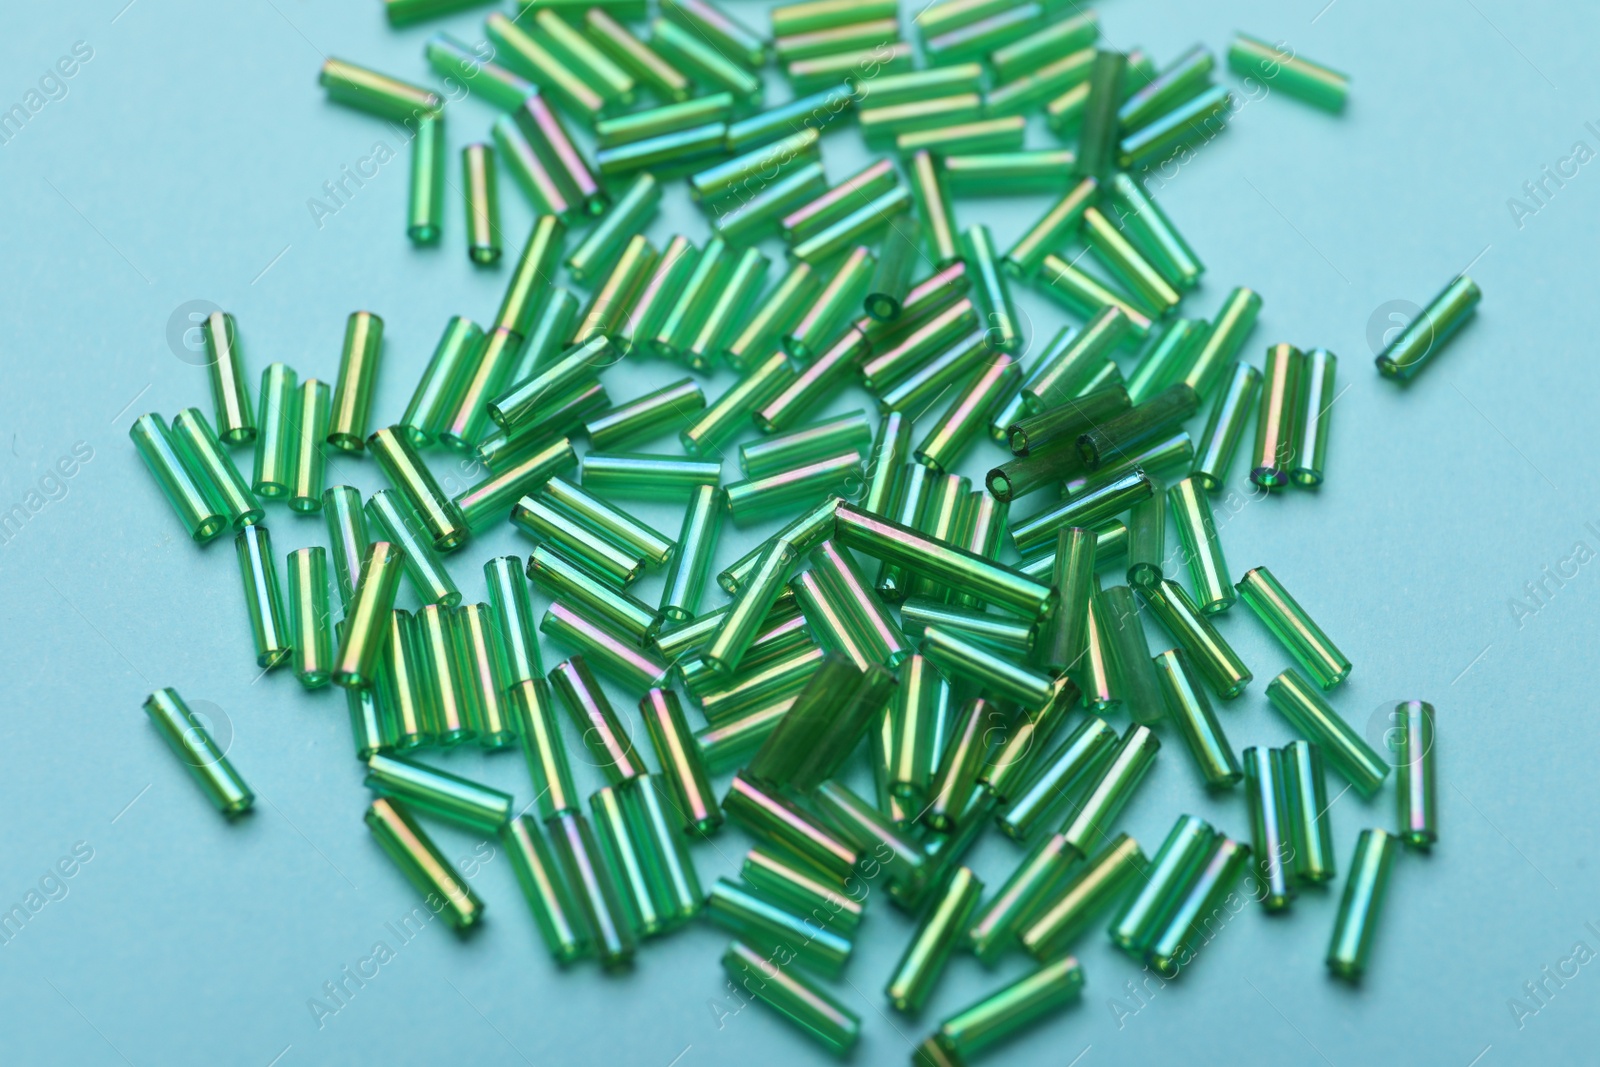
[(425, 201), (445, 796), (192, 743), (1416, 787), (609, 522), (681, 766), (444, 696), (1054, 778), (1313, 410), (1277, 418), (424, 866), (358, 377), (310, 616), (375, 93), (206, 458), (1426, 334), (1293, 628), (1344, 749), (1361, 905), (441, 517), (274, 459)]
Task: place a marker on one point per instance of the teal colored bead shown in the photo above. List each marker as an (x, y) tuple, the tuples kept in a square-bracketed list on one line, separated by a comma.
[(211, 465), (192, 743), (263, 597), (1430, 331), (1350, 948), (202, 517)]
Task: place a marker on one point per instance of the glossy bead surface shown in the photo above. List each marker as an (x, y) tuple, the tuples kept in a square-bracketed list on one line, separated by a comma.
[(230, 389), (1135, 679), (1361, 904), (789, 993), (1313, 411), (424, 866), (609, 742), (1230, 326), (1277, 418), (1052, 229), (445, 796), (935, 939), (1187, 930), (593, 887), (1197, 532), (1166, 879), (258, 569), (1293, 627), (1417, 784), (202, 517), (555, 912), (192, 743), (1225, 427), (1068, 911), (310, 616), (609, 522), (444, 695), (1266, 790), (1342, 747), (1295, 75), (1191, 712), (441, 517), (1016, 1006), (392, 520), (1207, 652), (1310, 828), (533, 710), (1106, 798), (1425, 335)]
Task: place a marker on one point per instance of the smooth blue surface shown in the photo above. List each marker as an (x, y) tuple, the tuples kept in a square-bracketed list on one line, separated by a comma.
[(176, 164)]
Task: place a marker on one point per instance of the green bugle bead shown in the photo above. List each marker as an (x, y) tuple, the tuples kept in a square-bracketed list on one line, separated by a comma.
[(1061, 373), (1210, 653), (704, 64), (530, 400), (944, 563), (646, 477), (540, 65), (880, 123), (776, 667), (682, 769), (1181, 80), (836, 436), (610, 744), (592, 885), (1188, 707), (727, 746), (492, 499), (358, 376), (513, 613), (1197, 532), (868, 829), (192, 743), (366, 622), (437, 391), (1266, 791), (1277, 418), (310, 616), (927, 187), (1050, 232), (555, 912), (810, 111), (525, 294), (638, 59), (609, 307), (205, 458), (402, 689), (627, 215), (1203, 117), (1086, 296), (1123, 772), (779, 823), (1147, 542), (1154, 296), (347, 534), (456, 62), (1344, 749), (993, 174), (1225, 427), (441, 517), (482, 659), (1416, 792), (1350, 948), (202, 517), (377, 94), (1097, 668), (826, 14), (827, 208), (1293, 628), (963, 759), (1073, 577), (914, 721), (262, 596), (886, 468), (963, 658), (1229, 328), (1135, 675), (746, 173), (425, 199), (1040, 875), (787, 992), (955, 430), (1312, 408), (727, 306), (609, 522), (1063, 38), (1068, 911), (273, 474), (424, 866), (444, 695), (368, 724), (719, 30), (691, 563), (611, 653), (771, 929), (544, 522), (587, 61), (1424, 335), (614, 814), (802, 890), (806, 75), (747, 220), (670, 873), (1025, 92), (1147, 227), (230, 390), (1310, 828), (1278, 66), (467, 422), (1064, 114), (1192, 922), (445, 796), (758, 499), (936, 937), (1023, 744), (395, 522), (852, 38), (650, 416), (986, 34), (819, 324), (1004, 1013), (533, 710), (1088, 509), (667, 119), (816, 383), (1167, 878)]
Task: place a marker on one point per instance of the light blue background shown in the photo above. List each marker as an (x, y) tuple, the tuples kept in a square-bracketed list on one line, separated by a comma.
[(178, 166)]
